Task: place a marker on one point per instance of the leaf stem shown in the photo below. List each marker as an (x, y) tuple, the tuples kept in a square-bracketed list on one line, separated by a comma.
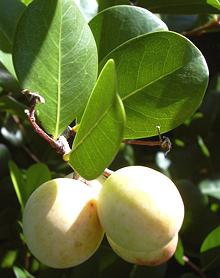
[(164, 143)]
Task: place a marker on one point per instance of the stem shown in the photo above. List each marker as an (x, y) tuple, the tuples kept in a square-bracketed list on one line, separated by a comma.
[(164, 143), (61, 145), (194, 267), (203, 29)]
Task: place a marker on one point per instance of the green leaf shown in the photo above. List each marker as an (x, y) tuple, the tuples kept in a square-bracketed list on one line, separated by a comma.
[(103, 4), (214, 3), (125, 22), (21, 273), (179, 253), (12, 106), (10, 12), (55, 55), (204, 149), (36, 175), (18, 182), (6, 60), (101, 128), (210, 187), (89, 8), (181, 7), (162, 78), (212, 240)]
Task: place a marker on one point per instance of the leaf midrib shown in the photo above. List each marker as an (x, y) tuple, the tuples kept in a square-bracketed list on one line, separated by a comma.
[(59, 76), (151, 83), (93, 127)]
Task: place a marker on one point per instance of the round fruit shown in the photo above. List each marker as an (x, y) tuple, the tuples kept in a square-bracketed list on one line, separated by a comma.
[(150, 258), (60, 223), (96, 184), (140, 210)]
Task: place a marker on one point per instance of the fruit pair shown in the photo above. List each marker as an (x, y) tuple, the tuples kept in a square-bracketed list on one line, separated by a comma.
[(140, 210)]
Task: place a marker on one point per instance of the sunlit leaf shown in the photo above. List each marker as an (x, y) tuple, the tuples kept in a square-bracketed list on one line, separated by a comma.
[(162, 78), (101, 128), (212, 240), (55, 55), (125, 22)]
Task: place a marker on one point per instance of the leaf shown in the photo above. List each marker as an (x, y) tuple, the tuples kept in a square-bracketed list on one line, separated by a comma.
[(6, 60), (210, 187), (162, 78), (101, 128), (12, 106), (204, 149), (18, 182), (89, 8), (103, 4), (21, 273), (10, 12), (212, 240), (36, 175), (180, 7), (214, 3), (125, 22), (179, 253), (55, 55)]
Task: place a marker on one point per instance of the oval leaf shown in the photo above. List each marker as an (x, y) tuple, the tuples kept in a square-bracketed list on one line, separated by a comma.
[(101, 129), (212, 240), (181, 7), (55, 55), (125, 22), (211, 188), (162, 78), (10, 12)]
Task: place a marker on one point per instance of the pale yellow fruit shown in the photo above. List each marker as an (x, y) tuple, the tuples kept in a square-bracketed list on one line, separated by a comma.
[(140, 209), (60, 223), (96, 184), (149, 258)]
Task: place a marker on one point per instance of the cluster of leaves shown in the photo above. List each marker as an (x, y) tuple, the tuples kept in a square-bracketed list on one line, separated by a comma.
[(116, 74)]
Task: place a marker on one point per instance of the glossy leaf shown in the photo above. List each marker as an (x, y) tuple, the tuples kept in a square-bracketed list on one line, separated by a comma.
[(89, 8), (21, 273), (101, 128), (55, 55), (179, 253), (125, 22), (181, 7), (18, 182), (162, 78), (10, 12), (6, 60), (212, 240), (12, 106), (211, 188), (103, 4), (36, 175)]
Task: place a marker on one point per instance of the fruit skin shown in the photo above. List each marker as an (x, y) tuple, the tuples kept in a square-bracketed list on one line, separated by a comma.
[(140, 209), (60, 223), (96, 184), (150, 258)]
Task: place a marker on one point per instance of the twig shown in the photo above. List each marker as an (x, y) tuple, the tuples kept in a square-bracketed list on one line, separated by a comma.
[(164, 143), (204, 28), (194, 267), (61, 145)]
